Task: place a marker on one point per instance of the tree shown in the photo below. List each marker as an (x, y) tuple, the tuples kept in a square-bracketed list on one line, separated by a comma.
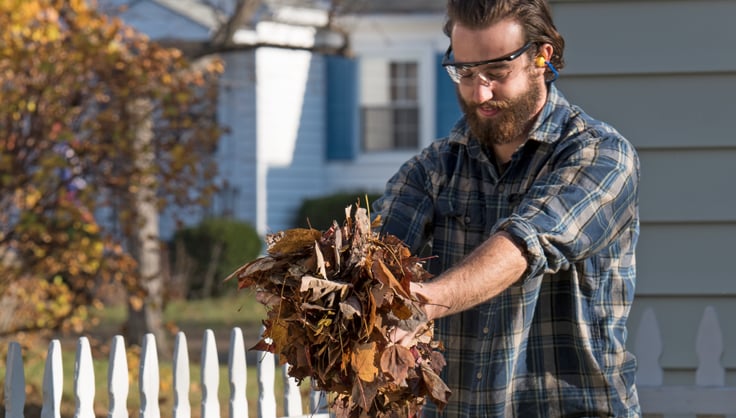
[(100, 130)]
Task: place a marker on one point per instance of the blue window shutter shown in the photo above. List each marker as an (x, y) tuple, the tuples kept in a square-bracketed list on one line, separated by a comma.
[(342, 107), (446, 106)]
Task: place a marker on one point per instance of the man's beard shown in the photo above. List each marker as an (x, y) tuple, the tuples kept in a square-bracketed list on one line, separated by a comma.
[(507, 126)]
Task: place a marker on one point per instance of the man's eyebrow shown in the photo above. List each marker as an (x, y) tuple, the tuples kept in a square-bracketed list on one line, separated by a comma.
[(503, 65)]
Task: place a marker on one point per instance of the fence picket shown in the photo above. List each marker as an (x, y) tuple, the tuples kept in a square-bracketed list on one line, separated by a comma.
[(237, 373), (709, 348), (266, 372), (15, 382), (210, 376), (648, 349), (292, 397), (84, 380), (148, 378), (117, 379), (53, 381), (182, 407)]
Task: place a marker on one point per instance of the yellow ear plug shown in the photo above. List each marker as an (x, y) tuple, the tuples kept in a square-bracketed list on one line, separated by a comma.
[(540, 61)]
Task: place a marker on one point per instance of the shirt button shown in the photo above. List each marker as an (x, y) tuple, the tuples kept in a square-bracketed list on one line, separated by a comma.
[(486, 330), (467, 219), (479, 375), (501, 188)]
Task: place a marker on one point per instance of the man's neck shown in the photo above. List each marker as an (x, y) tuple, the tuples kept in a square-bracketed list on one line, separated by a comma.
[(503, 152)]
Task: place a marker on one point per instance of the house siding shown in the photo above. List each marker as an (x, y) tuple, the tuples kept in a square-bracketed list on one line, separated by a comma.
[(237, 151), (669, 90), (147, 16)]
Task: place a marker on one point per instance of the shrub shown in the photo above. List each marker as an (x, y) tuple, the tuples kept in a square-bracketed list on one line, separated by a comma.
[(321, 211), (211, 251)]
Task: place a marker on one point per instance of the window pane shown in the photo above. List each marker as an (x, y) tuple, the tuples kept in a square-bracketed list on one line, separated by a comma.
[(395, 124), (386, 128), (377, 130), (406, 133)]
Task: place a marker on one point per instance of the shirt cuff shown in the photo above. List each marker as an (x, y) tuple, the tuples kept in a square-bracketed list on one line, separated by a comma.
[(525, 236)]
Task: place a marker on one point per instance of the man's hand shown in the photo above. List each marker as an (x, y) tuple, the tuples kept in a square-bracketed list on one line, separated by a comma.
[(417, 328)]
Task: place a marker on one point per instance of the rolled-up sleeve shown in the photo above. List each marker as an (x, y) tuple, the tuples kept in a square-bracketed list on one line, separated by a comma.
[(580, 206)]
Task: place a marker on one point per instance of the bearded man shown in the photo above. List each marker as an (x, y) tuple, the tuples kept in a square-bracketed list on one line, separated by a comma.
[(529, 210)]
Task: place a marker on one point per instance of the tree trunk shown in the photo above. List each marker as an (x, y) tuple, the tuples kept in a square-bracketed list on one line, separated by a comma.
[(145, 315), (208, 282)]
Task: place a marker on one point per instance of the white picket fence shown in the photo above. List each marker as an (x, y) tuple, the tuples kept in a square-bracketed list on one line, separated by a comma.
[(84, 382), (710, 395)]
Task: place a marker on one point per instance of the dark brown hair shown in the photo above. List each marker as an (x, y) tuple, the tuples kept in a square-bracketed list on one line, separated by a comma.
[(535, 17)]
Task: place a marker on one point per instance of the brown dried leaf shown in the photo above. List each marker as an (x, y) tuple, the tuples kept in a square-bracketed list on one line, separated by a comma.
[(293, 240), (437, 361), (279, 333), (321, 287), (383, 274), (438, 390), (396, 361), (364, 393), (263, 345)]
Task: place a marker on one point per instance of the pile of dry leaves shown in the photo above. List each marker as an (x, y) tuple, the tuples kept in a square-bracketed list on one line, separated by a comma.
[(335, 297)]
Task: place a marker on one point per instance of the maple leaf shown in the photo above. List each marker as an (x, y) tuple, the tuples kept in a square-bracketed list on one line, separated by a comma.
[(363, 361), (396, 361)]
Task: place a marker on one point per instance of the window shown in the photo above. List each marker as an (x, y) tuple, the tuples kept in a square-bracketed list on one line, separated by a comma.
[(390, 105)]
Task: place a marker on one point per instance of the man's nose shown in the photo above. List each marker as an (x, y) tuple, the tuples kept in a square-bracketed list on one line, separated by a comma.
[(482, 88)]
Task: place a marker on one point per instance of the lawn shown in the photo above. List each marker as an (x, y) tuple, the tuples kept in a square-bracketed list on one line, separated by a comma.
[(193, 318)]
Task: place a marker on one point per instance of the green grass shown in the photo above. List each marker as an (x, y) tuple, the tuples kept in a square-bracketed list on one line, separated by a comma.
[(193, 318)]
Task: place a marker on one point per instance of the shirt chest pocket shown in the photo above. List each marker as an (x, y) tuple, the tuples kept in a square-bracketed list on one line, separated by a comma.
[(458, 211)]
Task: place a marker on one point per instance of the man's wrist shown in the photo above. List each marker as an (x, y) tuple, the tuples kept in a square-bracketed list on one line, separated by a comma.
[(431, 303)]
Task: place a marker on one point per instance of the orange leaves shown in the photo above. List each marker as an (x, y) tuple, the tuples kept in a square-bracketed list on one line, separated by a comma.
[(334, 298), (74, 85), (363, 361)]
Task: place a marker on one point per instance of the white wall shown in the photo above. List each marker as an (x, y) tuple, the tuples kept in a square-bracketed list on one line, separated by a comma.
[(291, 132)]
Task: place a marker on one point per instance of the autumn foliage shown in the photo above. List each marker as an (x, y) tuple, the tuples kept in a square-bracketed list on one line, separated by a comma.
[(334, 297), (78, 88)]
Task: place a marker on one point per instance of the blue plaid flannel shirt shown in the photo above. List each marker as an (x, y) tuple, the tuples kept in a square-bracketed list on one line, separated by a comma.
[(553, 344)]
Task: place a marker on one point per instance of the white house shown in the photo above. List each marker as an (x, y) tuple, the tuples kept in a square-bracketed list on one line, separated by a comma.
[(305, 124)]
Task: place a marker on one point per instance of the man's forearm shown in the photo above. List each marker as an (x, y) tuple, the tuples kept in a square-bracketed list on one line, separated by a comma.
[(483, 274)]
